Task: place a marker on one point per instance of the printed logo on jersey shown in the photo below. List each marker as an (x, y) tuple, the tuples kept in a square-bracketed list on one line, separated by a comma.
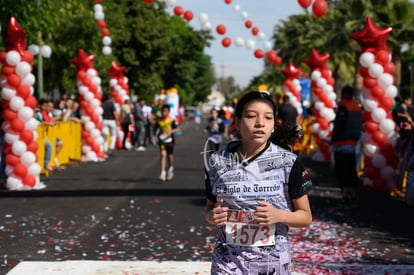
[(269, 164)]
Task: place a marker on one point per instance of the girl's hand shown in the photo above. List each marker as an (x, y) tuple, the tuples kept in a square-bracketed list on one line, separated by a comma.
[(266, 214), (218, 215)]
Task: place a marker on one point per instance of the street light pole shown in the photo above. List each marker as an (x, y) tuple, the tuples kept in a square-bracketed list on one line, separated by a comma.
[(40, 68)]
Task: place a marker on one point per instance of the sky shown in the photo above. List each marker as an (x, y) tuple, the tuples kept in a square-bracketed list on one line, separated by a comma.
[(239, 62)]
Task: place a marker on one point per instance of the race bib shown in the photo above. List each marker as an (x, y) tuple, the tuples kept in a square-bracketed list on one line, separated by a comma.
[(166, 138), (242, 229)]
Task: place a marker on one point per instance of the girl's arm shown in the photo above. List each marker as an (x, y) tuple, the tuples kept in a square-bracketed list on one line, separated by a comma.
[(266, 214)]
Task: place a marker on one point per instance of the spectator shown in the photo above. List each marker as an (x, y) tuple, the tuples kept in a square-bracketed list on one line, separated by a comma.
[(287, 113), (214, 129), (110, 124), (139, 119), (345, 135), (126, 119)]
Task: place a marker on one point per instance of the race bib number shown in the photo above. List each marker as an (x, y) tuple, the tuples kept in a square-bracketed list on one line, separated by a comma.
[(242, 229)]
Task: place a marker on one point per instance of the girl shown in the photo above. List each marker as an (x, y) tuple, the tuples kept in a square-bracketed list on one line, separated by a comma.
[(256, 190)]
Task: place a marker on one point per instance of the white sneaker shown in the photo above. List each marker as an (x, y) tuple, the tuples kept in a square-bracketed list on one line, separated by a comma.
[(163, 176), (170, 174), (141, 148)]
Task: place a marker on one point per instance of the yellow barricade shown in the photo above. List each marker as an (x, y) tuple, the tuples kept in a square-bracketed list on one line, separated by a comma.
[(69, 132)]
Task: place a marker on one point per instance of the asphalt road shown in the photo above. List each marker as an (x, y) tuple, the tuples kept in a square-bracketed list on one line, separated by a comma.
[(119, 210)]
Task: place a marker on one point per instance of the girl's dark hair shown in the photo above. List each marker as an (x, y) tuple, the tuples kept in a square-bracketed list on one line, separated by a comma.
[(286, 135), (254, 95), (166, 106)]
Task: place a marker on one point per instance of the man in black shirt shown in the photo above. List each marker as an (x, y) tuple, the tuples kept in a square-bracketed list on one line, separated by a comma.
[(109, 124), (287, 113)]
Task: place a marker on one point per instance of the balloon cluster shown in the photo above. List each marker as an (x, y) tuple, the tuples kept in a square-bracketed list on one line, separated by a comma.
[(291, 86), (319, 7), (100, 22), (378, 98), (119, 91), (324, 97), (18, 105), (90, 98)]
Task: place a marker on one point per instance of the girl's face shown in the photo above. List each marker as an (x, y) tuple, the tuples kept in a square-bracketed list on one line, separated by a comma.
[(165, 112), (214, 114), (257, 122)]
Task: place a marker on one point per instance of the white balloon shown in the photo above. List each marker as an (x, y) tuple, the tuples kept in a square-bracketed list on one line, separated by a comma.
[(13, 183), (385, 80), (106, 40), (378, 114), (202, 18), (89, 126), (236, 8), (96, 80), (113, 82), (7, 93), (316, 75), (85, 119), (9, 170), (32, 124), (98, 7), (25, 113), (28, 158), (34, 49), (375, 70), (34, 169), (244, 15), (13, 58), (85, 149), (88, 96), (387, 126), (370, 150), (99, 15), (319, 105), (206, 26), (99, 111), (391, 91), (315, 127), (366, 59), (19, 147), (16, 103), (91, 73), (261, 36), (46, 51), (238, 41), (332, 96), (23, 68), (95, 102), (267, 46), (83, 89), (250, 44), (370, 105), (321, 82), (106, 50), (29, 80), (170, 3), (11, 137), (95, 133)]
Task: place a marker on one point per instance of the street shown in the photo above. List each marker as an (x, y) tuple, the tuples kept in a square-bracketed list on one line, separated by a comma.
[(118, 210)]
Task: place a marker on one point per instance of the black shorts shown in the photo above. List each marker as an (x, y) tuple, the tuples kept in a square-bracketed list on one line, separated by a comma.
[(169, 147)]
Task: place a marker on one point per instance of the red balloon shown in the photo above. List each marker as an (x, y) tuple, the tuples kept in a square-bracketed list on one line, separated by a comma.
[(386, 102), (27, 57), (323, 123), (369, 82), (258, 53), (31, 102), (14, 80), (248, 24), (23, 91), (12, 159), (377, 91), (188, 15), (8, 70), (15, 38), (379, 137), (255, 30), (278, 61), (20, 170), (221, 29), (101, 23), (228, 2), (371, 37), (29, 180), (271, 56), (389, 68), (226, 42), (382, 57), (17, 125), (9, 114), (305, 3), (147, 1), (178, 10), (319, 8), (371, 126), (26, 136), (363, 71), (32, 147), (105, 32)]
